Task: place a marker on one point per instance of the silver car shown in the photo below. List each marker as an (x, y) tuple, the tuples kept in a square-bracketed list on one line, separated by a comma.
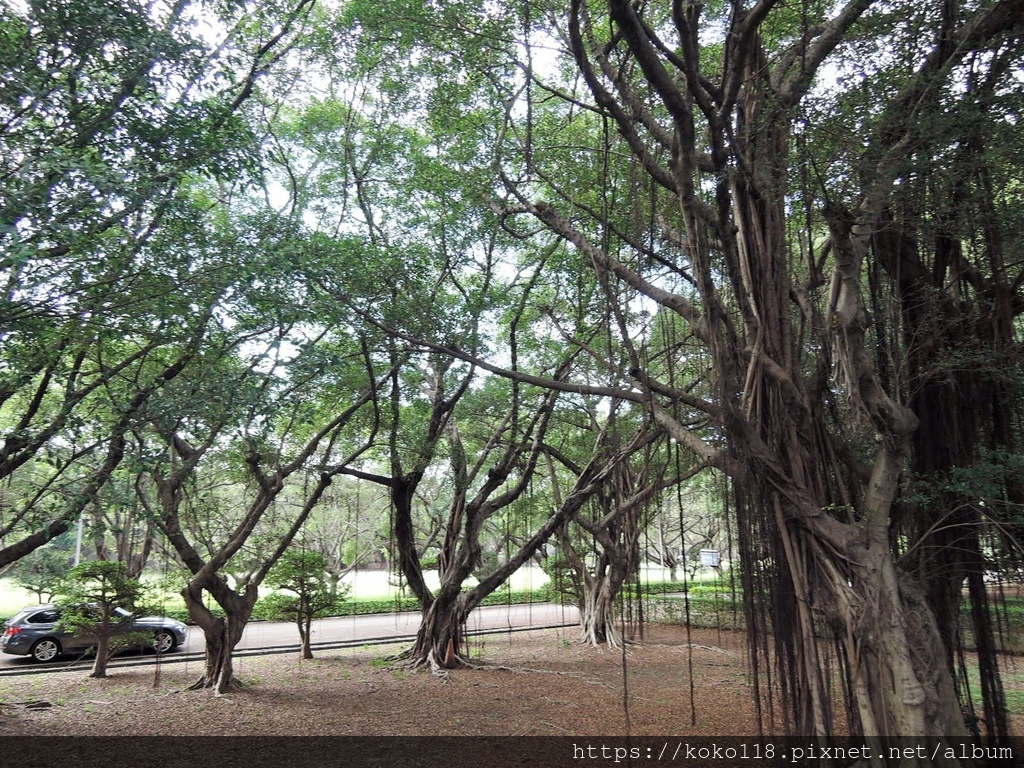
[(35, 632)]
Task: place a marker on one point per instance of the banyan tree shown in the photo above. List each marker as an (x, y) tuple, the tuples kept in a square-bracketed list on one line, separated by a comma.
[(819, 199)]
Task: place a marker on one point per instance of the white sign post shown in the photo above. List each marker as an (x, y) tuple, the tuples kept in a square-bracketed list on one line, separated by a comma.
[(710, 558)]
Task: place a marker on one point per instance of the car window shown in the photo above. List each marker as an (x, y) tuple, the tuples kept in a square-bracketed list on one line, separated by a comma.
[(44, 617)]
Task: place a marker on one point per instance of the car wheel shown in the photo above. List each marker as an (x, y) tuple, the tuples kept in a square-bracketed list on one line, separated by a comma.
[(46, 649), (163, 641)]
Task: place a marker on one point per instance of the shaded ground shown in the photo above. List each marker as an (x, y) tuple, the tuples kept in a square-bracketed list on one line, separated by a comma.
[(555, 687)]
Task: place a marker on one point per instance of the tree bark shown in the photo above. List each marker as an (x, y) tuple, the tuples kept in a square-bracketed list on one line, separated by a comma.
[(440, 640), (99, 664), (222, 633), (597, 612), (304, 623)]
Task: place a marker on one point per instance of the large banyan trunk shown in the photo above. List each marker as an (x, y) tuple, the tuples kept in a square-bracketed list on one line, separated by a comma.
[(894, 656), (595, 588), (222, 633), (838, 595), (613, 532), (597, 611), (440, 641), (832, 594), (836, 598)]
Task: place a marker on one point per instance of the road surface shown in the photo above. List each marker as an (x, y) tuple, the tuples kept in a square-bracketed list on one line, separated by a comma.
[(270, 637), (397, 625)]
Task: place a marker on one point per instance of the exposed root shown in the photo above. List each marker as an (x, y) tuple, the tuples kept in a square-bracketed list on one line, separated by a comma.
[(486, 666), (400, 658), (533, 671), (219, 688), (610, 637), (609, 643), (441, 668), (438, 669), (412, 661)]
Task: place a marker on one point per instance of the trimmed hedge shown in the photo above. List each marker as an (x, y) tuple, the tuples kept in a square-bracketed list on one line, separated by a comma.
[(361, 607), (715, 610)]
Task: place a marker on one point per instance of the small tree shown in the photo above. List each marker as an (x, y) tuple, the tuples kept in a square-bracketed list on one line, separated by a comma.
[(90, 596), (304, 574), (41, 571)]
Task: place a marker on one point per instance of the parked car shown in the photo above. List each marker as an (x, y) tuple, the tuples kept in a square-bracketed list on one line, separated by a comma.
[(35, 632)]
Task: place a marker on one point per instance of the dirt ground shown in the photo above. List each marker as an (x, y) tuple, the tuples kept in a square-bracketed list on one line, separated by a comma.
[(674, 682)]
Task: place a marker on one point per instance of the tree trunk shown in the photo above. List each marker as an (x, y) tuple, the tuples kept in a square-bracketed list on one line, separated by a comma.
[(957, 414), (222, 633), (440, 641), (219, 674), (304, 623), (906, 651), (99, 664), (333, 580), (597, 612)]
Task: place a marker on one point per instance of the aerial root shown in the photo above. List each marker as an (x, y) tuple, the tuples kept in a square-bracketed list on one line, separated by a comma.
[(11, 709)]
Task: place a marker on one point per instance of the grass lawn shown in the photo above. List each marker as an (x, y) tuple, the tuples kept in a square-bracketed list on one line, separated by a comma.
[(13, 597)]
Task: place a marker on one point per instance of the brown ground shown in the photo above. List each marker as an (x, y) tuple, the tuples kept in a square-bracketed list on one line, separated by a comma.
[(555, 687)]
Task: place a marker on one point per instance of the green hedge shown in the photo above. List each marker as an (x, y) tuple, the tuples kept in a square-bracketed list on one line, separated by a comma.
[(362, 607), (181, 614), (716, 610)]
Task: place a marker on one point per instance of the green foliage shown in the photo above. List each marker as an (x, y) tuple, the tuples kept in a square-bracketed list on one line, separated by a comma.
[(1008, 625), (117, 119), (718, 595), (105, 107), (266, 606), (305, 590), (42, 571), (697, 611), (103, 583), (100, 599)]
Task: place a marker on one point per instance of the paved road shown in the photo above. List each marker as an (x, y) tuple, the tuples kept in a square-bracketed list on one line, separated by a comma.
[(270, 636), (395, 625)]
